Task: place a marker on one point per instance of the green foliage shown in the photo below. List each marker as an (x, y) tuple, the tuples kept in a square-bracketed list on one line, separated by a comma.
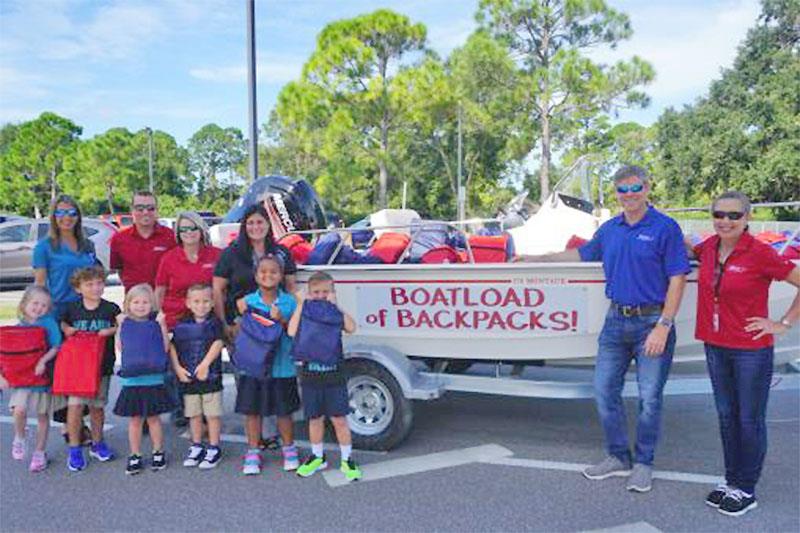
[(562, 90), (745, 134), (31, 160), (214, 151)]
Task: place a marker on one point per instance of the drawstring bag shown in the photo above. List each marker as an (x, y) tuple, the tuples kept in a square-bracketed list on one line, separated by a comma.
[(21, 347), (491, 248), (389, 247), (319, 337), (142, 348), (256, 343), (78, 365), (192, 340)]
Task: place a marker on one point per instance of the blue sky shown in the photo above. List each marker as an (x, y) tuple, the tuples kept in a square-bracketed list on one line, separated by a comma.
[(176, 65)]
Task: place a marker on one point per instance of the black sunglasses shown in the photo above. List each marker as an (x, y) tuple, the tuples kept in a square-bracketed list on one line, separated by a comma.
[(187, 229), (732, 215)]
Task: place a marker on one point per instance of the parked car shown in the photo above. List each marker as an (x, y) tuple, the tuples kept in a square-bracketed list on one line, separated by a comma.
[(120, 220), (6, 217), (18, 237)]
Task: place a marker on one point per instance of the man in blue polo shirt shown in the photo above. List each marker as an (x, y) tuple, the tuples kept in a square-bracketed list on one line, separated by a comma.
[(645, 265)]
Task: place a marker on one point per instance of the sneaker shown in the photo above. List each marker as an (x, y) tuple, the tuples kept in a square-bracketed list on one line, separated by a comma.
[(351, 470), (290, 460), (134, 465), (159, 460), (75, 461), (18, 449), (194, 456), (211, 458), (101, 452), (610, 466), (716, 496), (311, 465), (38, 462), (641, 479), (737, 502), (251, 465)]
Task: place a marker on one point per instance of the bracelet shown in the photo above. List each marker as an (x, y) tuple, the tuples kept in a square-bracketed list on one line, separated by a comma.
[(666, 322), (785, 322)]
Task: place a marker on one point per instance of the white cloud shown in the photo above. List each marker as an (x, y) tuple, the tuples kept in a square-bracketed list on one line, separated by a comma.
[(687, 46)]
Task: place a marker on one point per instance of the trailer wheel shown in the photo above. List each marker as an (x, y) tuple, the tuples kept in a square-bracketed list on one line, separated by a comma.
[(381, 415)]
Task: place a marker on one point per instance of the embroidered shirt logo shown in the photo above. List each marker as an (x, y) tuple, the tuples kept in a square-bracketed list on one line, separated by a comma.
[(645, 237), (737, 269), (159, 248), (208, 265)]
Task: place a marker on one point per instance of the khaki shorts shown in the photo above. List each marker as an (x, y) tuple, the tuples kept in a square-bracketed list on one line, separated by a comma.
[(98, 401), (209, 404), (31, 401)]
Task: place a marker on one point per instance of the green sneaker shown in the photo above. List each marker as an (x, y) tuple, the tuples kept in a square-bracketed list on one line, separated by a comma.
[(311, 465), (351, 470)]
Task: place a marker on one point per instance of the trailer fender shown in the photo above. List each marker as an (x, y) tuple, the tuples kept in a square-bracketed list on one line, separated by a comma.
[(414, 384)]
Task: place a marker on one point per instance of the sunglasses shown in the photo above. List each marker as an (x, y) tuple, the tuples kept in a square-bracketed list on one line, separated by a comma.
[(143, 208), (61, 213), (731, 215), (624, 189), (187, 229)]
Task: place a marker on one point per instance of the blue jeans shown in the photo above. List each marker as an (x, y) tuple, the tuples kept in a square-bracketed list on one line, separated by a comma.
[(622, 340), (741, 380)]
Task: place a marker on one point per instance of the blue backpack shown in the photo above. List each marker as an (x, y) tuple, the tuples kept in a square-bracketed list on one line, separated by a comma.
[(192, 340), (319, 335), (142, 348), (256, 343)]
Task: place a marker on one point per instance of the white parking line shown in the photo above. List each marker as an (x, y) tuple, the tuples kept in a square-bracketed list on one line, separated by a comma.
[(33, 421), (422, 463), (633, 527), (686, 477)]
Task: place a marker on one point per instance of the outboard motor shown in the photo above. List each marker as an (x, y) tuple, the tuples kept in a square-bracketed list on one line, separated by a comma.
[(295, 203)]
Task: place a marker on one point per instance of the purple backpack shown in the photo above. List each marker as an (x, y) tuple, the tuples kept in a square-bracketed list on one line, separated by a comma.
[(319, 335), (142, 348), (256, 343)]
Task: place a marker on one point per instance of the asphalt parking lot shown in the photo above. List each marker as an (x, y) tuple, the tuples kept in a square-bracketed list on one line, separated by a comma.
[(472, 463)]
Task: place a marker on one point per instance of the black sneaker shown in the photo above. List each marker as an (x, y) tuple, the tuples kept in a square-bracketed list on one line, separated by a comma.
[(737, 502), (716, 496), (159, 461), (134, 465)]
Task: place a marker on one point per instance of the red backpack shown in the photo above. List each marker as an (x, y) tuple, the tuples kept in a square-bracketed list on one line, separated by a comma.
[(389, 247), (489, 248), (21, 347), (79, 364), (298, 247), (441, 254)]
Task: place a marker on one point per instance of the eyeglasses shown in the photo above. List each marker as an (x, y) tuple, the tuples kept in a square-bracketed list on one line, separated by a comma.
[(187, 229), (624, 189), (61, 213), (731, 215), (143, 208)]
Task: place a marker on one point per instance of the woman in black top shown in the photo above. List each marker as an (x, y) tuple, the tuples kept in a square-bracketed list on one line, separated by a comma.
[(234, 275)]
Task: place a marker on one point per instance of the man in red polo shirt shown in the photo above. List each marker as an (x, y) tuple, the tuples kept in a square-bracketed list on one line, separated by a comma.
[(136, 252)]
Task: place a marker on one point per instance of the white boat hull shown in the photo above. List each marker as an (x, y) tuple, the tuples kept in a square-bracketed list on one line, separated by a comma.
[(510, 312)]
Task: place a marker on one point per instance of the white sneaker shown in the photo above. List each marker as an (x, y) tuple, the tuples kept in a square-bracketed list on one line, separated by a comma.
[(194, 456), (211, 459), (251, 465)]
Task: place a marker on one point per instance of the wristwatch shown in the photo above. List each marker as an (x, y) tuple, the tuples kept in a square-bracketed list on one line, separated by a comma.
[(785, 322), (666, 322)]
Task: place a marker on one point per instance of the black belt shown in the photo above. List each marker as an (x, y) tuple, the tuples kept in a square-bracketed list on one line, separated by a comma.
[(638, 310)]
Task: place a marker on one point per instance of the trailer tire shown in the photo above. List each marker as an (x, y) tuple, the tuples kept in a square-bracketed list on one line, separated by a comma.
[(382, 416)]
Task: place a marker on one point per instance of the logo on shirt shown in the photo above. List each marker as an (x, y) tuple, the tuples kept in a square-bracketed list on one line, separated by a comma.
[(737, 269), (646, 238), (207, 265), (159, 248)]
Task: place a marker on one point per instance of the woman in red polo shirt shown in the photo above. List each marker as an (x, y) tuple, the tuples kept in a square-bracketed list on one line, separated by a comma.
[(732, 320), (191, 262)]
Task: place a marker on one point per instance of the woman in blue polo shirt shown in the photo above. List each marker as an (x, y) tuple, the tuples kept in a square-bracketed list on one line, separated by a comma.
[(62, 252)]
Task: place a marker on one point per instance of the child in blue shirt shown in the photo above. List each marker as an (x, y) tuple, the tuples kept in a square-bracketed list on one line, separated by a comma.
[(276, 395), (324, 384), (33, 311)]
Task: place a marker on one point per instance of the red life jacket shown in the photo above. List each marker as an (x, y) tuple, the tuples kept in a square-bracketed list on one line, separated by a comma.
[(298, 246), (389, 247), (489, 248)]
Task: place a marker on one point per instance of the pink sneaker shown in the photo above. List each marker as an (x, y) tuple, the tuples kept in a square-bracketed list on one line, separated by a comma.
[(38, 462), (18, 449)]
